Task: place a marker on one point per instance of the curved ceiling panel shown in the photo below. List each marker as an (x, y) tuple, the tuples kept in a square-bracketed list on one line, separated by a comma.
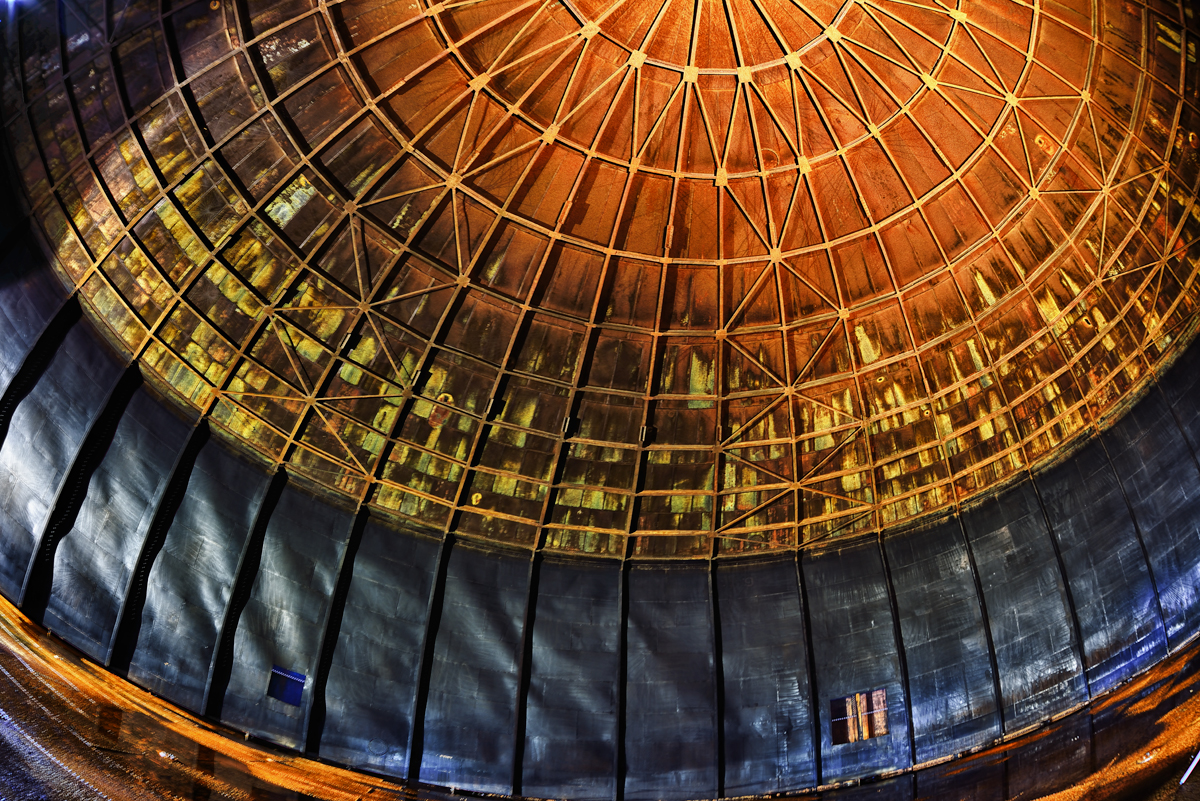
[(715, 276)]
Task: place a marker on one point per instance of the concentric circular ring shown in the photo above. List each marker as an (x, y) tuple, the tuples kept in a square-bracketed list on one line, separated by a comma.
[(713, 276)]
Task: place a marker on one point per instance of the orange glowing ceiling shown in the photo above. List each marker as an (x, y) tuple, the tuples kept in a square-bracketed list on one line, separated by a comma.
[(657, 278)]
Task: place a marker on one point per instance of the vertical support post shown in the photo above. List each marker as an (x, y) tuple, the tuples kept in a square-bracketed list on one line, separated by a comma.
[(333, 628), (433, 619), (129, 619), (1137, 530), (899, 636), (814, 691), (37, 360), (1196, 461), (1062, 572), (247, 570), (718, 674), (524, 668), (35, 591), (987, 626), (619, 766)]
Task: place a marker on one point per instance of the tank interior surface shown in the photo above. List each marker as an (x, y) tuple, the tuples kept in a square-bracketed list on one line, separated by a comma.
[(610, 399), (73, 731)]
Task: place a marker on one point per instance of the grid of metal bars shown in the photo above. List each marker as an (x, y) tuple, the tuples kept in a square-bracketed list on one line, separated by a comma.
[(626, 278)]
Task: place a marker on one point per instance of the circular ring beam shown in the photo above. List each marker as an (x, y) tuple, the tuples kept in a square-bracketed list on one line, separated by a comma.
[(672, 278)]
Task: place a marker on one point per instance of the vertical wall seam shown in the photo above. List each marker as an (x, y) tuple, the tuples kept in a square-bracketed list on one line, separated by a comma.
[(524, 671), (315, 722), (987, 623), (433, 619), (37, 360), (1196, 462), (1137, 532), (1076, 629), (1070, 596), (718, 675), (619, 763), (894, 606), (810, 660), (126, 628), (247, 571), (1178, 423), (27, 376), (72, 491), (34, 365)]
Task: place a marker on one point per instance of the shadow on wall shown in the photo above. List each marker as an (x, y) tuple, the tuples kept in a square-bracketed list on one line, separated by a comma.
[(155, 550), (71, 730), (20, 258)]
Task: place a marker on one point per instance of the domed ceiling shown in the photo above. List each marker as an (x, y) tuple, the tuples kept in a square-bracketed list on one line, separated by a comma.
[(713, 276)]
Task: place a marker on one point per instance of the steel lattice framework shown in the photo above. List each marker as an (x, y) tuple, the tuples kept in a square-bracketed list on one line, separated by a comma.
[(626, 277)]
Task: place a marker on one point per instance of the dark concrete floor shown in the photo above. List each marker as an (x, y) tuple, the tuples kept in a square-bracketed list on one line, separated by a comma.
[(29, 774)]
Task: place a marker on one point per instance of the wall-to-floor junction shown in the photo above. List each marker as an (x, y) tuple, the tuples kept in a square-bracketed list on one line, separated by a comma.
[(141, 538)]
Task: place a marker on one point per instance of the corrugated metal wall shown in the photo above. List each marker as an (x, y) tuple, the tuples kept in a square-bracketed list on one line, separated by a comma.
[(488, 669)]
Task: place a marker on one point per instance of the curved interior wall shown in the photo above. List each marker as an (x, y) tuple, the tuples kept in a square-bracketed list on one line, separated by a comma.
[(156, 550)]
